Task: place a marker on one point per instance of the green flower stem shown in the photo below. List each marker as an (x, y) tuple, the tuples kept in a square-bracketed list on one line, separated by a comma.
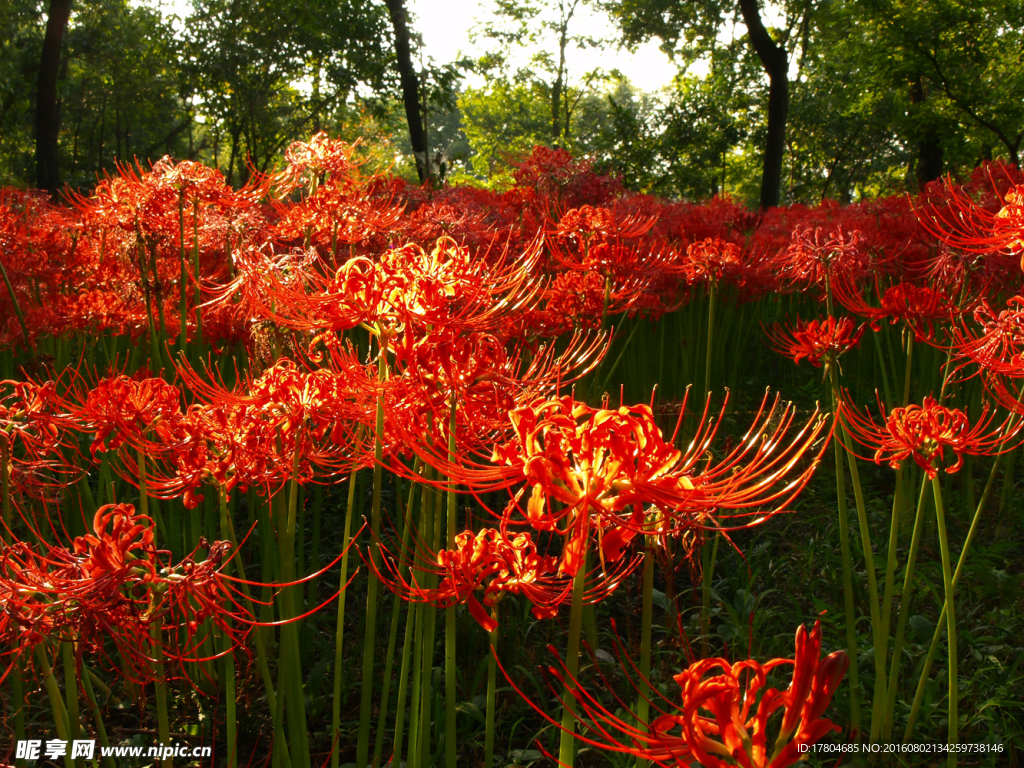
[(847, 560), (904, 614), (17, 308), (195, 270), (231, 712), (413, 758), (228, 532), (60, 712), (426, 511), (339, 632), (615, 365), (880, 641), (450, 662), (318, 505), (936, 636), (160, 683), (97, 717), (950, 610), (890, 560), (289, 663), (389, 661), (18, 696), (67, 649), (492, 694), (370, 638), (707, 577), (712, 290), (6, 535), (567, 742), (183, 282), (403, 674), (882, 366), (403, 684), (427, 670), (646, 619)]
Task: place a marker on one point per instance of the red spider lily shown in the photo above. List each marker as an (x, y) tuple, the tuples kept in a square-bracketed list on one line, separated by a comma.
[(120, 409), (921, 307), (289, 422), (588, 225), (112, 584), (494, 563), (581, 299), (1000, 344), (30, 414), (446, 287), (964, 224), (815, 339), (924, 432), (336, 214), (486, 377), (725, 713), (603, 465), (813, 258), (713, 259), (321, 156)]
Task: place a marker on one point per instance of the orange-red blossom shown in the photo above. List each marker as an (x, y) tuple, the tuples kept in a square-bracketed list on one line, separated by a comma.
[(925, 432), (724, 713)]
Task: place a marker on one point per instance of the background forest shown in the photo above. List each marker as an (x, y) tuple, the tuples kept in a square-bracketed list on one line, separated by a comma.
[(792, 102)]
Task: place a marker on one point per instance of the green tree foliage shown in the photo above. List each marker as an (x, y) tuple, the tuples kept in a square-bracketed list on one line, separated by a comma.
[(115, 107), (21, 39), (244, 61)]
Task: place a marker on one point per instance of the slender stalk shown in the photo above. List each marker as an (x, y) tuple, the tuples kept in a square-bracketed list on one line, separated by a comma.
[(567, 742), (339, 632), (18, 697), (97, 717), (450, 662), (183, 284), (71, 692), (410, 621), (926, 668), (228, 531), (289, 663), (230, 704), (160, 683), (947, 579), (370, 638), (17, 307), (389, 661), (847, 560), (901, 622), (707, 577), (403, 685), (712, 290), (880, 642), (195, 271), (492, 694), (646, 619), (426, 687), (60, 712)]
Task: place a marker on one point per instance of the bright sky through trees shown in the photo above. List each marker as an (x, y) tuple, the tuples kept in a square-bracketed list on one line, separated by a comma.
[(446, 25)]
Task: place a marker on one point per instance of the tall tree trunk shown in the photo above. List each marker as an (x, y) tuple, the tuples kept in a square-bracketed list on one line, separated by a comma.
[(410, 87), (556, 90), (47, 109), (776, 65), (929, 148)]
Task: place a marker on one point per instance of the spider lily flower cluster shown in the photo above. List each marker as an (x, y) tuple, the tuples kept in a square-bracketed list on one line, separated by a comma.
[(202, 350)]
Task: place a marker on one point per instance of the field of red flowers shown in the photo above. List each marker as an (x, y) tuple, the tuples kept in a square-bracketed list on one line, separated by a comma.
[(334, 470)]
